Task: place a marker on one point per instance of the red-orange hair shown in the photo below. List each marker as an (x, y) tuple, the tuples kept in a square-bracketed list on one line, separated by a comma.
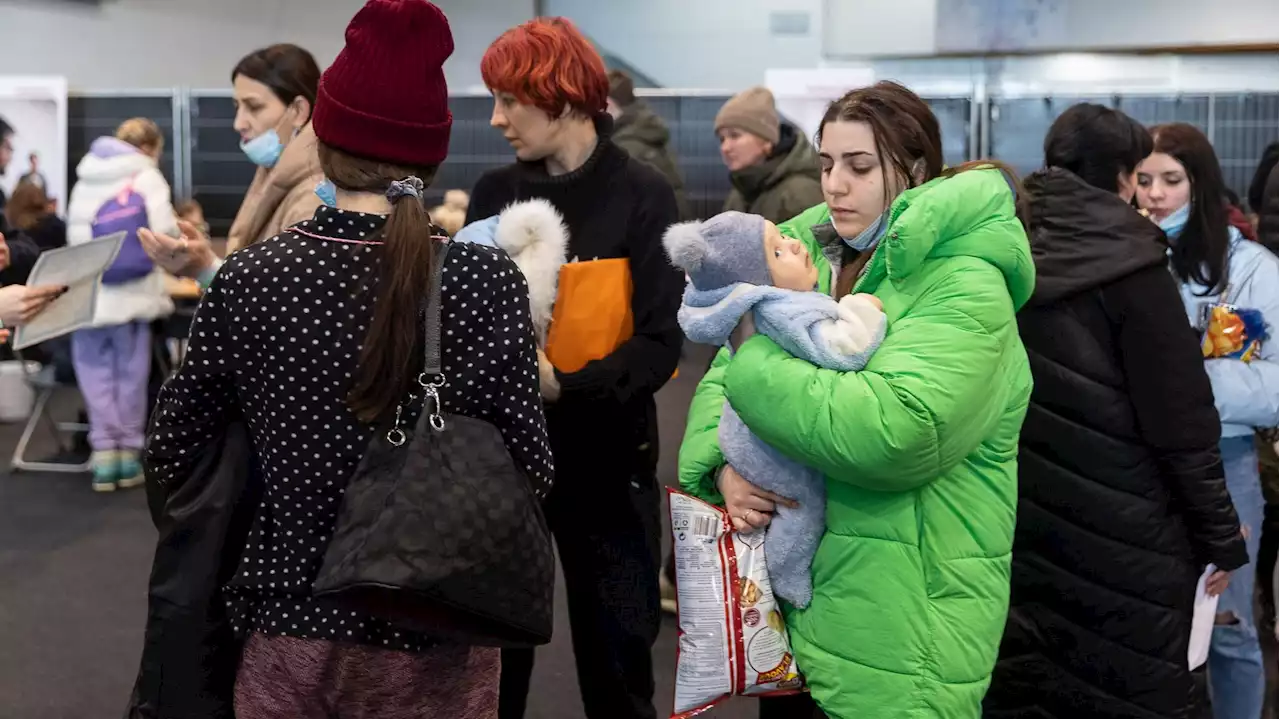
[(549, 64)]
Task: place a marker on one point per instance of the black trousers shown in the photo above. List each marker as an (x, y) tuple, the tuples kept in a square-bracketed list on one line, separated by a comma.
[(798, 706), (607, 531)]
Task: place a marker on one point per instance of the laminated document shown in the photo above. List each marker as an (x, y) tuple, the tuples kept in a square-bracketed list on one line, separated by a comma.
[(80, 269)]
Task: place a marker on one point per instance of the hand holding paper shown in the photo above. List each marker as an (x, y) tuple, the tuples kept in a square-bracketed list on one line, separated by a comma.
[(77, 272), (1206, 609), (20, 303)]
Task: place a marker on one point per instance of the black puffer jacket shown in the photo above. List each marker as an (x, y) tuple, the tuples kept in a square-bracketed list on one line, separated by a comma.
[(1122, 500), (1269, 214)]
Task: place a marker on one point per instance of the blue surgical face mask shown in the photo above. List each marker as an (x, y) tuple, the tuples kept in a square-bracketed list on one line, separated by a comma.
[(327, 193), (1175, 222), (264, 150), (870, 237)]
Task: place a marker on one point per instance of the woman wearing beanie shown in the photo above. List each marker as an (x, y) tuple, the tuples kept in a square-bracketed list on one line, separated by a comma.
[(550, 95), (1180, 185), (1121, 498), (919, 448), (773, 168), (119, 188), (306, 336)]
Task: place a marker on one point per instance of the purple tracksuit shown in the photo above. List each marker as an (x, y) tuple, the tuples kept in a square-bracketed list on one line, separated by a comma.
[(113, 365)]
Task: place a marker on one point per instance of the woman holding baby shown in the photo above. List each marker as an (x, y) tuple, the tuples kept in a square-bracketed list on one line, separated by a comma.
[(910, 579)]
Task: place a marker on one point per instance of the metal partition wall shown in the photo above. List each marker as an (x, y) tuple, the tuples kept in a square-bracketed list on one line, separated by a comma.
[(219, 172), (692, 121), (1239, 125), (90, 116), (203, 159), (955, 120)]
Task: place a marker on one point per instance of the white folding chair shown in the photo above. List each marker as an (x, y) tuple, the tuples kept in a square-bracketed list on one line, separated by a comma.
[(45, 383)]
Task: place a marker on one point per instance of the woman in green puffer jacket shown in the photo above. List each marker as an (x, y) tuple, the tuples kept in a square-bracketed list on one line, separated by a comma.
[(911, 580)]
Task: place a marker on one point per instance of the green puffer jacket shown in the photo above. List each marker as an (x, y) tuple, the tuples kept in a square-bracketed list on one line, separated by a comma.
[(911, 580)]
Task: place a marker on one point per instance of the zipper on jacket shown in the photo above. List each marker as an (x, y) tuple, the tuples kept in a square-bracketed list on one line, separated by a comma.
[(866, 269)]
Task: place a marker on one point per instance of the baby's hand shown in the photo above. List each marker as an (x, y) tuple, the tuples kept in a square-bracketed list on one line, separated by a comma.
[(862, 317), (870, 298)]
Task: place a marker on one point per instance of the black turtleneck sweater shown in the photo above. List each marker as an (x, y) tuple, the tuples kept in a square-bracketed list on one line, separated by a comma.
[(614, 207)]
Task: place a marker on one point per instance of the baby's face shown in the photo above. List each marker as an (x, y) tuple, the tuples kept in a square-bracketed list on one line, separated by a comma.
[(790, 266)]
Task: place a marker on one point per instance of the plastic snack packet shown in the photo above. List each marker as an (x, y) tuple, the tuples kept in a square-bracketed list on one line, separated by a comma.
[(733, 640), (1232, 333)]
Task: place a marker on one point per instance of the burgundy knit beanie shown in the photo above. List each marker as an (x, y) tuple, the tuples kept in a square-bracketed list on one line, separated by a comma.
[(385, 97)]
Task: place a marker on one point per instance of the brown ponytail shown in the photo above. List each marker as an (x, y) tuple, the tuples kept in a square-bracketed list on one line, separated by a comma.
[(387, 367)]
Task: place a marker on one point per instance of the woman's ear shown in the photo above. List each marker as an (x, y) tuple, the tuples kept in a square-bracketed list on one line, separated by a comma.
[(302, 111), (917, 172)]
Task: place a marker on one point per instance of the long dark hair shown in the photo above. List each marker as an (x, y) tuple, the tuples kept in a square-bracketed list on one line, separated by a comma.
[(1096, 144), (1200, 254), (290, 71), (27, 206), (908, 139), (386, 369)]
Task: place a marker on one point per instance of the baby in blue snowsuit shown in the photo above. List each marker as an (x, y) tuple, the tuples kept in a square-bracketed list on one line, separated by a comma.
[(739, 263)]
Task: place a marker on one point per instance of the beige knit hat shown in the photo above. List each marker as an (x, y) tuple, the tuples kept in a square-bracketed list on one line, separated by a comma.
[(751, 110)]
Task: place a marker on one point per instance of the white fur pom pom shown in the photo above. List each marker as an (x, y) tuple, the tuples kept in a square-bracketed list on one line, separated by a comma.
[(523, 223), (535, 237), (685, 245)]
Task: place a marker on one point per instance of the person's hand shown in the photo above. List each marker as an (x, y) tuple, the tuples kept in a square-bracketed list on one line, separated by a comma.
[(1217, 583), (746, 327), (185, 256), (550, 385), (4, 336), (19, 303), (750, 508), (4, 254)]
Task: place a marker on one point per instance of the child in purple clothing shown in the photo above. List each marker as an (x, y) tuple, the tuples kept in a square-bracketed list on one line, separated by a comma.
[(112, 358)]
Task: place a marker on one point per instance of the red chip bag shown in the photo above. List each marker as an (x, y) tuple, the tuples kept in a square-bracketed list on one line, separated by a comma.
[(733, 640)]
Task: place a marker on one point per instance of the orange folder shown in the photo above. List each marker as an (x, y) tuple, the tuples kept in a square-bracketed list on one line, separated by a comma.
[(592, 314)]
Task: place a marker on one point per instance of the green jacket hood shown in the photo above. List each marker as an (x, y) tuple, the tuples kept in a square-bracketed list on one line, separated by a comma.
[(793, 155), (639, 122), (970, 214)]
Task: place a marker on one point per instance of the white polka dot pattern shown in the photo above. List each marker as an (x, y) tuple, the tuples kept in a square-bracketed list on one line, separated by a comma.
[(276, 339)]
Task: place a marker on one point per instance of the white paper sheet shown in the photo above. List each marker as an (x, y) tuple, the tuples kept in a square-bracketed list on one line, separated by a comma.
[(1202, 623), (80, 268)]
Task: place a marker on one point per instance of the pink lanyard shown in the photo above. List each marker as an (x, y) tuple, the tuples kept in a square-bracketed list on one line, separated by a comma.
[(343, 240), (300, 231)]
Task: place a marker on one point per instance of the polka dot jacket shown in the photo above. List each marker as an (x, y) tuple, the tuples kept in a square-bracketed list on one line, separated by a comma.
[(276, 340)]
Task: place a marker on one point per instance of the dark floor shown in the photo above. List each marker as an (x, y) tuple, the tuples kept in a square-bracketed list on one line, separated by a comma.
[(73, 569)]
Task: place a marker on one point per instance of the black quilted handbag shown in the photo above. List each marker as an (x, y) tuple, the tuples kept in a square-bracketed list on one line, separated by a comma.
[(439, 531)]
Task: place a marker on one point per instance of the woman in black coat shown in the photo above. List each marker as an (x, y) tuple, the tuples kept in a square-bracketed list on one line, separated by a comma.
[(1122, 501)]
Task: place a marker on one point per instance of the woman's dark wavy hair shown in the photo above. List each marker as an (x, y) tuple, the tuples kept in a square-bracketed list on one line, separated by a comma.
[(1200, 253), (1096, 144), (908, 141), (289, 71)]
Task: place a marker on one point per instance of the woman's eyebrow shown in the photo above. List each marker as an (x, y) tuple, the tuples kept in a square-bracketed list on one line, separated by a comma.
[(846, 155)]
